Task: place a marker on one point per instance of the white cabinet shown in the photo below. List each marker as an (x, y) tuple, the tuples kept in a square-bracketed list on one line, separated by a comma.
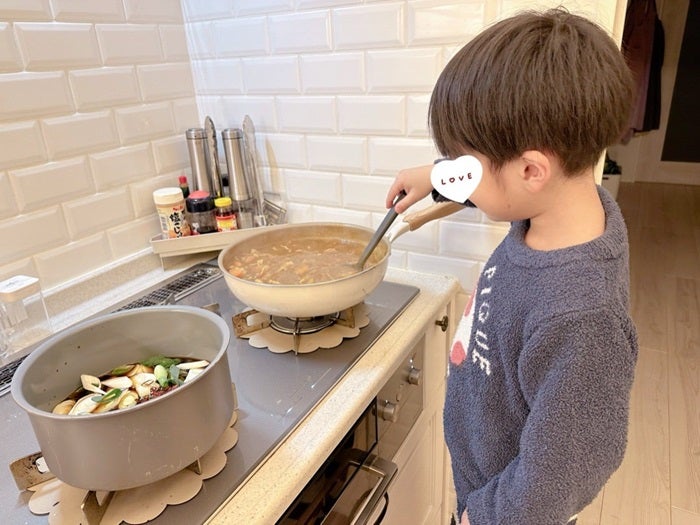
[(417, 493)]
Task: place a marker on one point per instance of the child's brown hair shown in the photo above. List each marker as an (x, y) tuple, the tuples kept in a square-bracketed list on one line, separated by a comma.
[(550, 81)]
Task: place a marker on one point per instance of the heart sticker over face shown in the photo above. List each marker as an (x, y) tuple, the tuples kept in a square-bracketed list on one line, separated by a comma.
[(457, 179)]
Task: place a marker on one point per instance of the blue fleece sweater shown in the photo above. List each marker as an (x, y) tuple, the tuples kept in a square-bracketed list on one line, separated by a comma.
[(540, 375)]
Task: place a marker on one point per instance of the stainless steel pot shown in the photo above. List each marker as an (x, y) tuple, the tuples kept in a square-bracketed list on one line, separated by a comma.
[(136, 446), (306, 300)]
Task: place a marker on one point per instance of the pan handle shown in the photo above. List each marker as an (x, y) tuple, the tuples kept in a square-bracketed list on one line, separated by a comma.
[(413, 221)]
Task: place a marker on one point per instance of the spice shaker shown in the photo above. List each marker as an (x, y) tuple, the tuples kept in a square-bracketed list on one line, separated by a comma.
[(196, 139), (232, 140), (201, 212), (24, 319), (170, 204)]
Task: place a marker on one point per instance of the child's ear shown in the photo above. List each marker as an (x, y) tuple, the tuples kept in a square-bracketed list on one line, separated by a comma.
[(536, 169)]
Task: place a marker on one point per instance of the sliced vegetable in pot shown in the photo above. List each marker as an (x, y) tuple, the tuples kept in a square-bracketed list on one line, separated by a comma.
[(127, 385)]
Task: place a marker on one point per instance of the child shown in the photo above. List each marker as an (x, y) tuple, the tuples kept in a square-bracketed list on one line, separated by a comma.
[(543, 360)]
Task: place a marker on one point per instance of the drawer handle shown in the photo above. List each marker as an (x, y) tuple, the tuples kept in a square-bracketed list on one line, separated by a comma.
[(443, 323)]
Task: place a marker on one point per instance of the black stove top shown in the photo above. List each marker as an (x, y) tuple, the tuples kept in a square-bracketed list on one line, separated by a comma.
[(275, 392)]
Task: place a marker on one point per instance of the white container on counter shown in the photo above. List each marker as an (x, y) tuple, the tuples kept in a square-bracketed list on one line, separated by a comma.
[(24, 319), (170, 204)]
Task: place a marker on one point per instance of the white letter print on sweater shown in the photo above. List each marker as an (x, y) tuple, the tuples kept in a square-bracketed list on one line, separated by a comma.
[(479, 346)]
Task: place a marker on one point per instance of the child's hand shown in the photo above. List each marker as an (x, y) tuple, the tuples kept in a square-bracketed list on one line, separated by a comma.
[(415, 182), (465, 519)]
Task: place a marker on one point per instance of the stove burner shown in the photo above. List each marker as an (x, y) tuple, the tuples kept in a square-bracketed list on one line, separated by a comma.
[(302, 325), (325, 331)]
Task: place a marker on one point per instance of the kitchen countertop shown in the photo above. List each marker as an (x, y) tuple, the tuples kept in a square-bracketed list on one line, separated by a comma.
[(273, 486)]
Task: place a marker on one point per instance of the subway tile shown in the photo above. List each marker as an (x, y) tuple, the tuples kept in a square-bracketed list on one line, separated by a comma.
[(10, 59), (398, 259), (368, 26), (165, 81), (466, 271), (174, 41), (306, 114), (197, 10), (260, 109), (279, 75), (440, 21), (171, 154), (79, 133), (69, 262), (365, 192), (146, 122), (104, 87), (307, 4), (133, 237), (18, 99), (25, 10), (200, 39), (388, 155), (117, 167), (313, 187), (57, 45), (417, 115), (22, 143), (283, 150), (141, 193), (472, 241), (186, 114), (27, 234), (218, 77), (240, 36), (377, 115), (52, 183), (263, 6), (414, 69), (302, 31), (97, 212), (150, 11), (299, 213), (346, 154), (88, 11), (8, 205), (129, 43), (332, 73), (335, 214)]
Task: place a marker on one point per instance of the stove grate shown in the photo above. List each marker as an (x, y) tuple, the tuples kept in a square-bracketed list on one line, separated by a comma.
[(166, 294)]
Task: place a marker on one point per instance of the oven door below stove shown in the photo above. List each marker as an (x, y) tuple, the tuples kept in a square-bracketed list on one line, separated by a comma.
[(351, 485)]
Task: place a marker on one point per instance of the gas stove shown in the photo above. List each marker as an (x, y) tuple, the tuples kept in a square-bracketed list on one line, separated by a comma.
[(275, 391)]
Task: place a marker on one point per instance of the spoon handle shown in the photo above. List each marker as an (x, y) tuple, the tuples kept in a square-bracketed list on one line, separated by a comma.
[(381, 230)]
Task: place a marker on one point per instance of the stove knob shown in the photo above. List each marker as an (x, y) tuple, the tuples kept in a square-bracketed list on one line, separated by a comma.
[(415, 376), (389, 411)]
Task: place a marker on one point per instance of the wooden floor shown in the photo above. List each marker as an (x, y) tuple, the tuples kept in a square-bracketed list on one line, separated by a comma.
[(659, 480)]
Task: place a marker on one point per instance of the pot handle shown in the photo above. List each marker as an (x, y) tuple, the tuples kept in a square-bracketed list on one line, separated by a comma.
[(413, 221)]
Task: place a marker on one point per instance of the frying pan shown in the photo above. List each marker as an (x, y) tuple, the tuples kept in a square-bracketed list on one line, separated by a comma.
[(316, 299)]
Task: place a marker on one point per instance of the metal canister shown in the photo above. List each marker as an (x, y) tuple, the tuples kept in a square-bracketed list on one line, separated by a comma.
[(196, 139), (232, 141)]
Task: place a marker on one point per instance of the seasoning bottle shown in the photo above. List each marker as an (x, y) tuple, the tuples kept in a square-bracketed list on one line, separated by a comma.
[(170, 204), (184, 187), (225, 216), (201, 212)]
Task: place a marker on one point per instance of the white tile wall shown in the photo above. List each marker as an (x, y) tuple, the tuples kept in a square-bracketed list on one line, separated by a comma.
[(95, 98), (94, 101)]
